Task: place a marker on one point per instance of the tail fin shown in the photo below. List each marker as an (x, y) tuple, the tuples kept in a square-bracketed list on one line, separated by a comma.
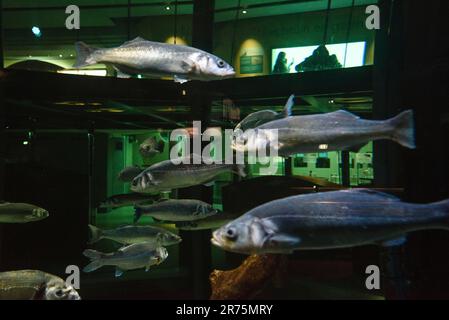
[(137, 213), (240, 170), (96, 234), (289, 105), (95, 257), (84, 55), (404, 131), (443, 209)]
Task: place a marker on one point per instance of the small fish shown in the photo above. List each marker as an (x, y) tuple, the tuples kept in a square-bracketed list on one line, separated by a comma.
[(127, 200), (129, 173), (134, 256), (258, 118), (176, 210), (165, 175), (335, 131), (329, 220), (156, 59), (21, 213), (209, 223), (34, 285), (136, 234), (152, 146)]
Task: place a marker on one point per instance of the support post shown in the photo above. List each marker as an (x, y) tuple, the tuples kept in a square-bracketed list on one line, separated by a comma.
[(196, 247)]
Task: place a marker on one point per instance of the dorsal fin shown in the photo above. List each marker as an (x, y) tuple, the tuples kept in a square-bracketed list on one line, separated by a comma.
[(289, 105), (343, 114), (375, 193), (138, 39)]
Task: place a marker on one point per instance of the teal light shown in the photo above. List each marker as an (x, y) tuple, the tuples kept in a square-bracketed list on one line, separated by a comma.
[(36, 31)]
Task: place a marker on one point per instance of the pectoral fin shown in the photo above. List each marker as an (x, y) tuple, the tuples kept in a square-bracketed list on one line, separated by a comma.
[(118, 272), (188, 65), (283, 242), (180, 80), (397, 242)]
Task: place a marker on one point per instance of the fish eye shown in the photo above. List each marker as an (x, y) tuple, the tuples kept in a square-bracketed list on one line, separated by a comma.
[(59, 293), (231, 234), (134, 183), (221, 63)]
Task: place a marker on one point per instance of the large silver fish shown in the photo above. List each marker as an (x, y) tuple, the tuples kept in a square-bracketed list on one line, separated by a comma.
[(140, 56), (135, 256), (21, 213), (165, 175), (127, 200), (34, 285), (335, 131), (152, 146), (329, 220), (135, 234), (129, 173), (176, 210)]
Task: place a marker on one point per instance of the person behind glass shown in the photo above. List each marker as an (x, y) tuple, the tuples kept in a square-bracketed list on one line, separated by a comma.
[(281, 64)]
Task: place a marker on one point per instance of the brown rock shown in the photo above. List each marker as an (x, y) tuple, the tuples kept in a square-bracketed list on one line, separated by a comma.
[(245, 281)]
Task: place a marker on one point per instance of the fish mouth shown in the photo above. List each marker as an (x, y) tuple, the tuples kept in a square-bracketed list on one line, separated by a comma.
[(215, 242)]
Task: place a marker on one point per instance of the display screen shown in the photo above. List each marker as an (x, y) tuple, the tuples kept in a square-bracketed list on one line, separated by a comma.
[(348, 54)]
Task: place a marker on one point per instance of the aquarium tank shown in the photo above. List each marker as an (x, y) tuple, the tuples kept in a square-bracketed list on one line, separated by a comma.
[(223, 150)]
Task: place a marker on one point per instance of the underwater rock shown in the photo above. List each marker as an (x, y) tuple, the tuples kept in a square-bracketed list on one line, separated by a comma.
[(247, 280)]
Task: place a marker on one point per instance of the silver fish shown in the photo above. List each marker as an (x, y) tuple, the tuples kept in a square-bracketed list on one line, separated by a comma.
[(329, 220), (127, 200), (176, 210), (129, 173), (134, 256), (209, 223), (135, 234), (335, 131), (152, 146), (34, 285), (165, 175), (21, 213), (140, 56), (258, 118)]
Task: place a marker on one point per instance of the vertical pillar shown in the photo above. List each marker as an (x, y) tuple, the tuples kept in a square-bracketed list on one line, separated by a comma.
[(90, 173), (2, 127), (387, 79), (196, 247), (345, 170)]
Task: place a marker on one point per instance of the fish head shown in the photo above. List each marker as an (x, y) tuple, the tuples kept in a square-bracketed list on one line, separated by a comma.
[(160, 255), (205, 210), (58, 290), (143, 183), (168, 238), (254, 140), (37, 214), (148, 147), (242, 236), (212, 67)]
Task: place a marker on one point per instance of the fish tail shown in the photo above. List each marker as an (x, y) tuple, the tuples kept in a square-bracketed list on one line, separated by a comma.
[(84, 55), (137, 213), (96, 260), (404, 131), (443, 209), (240, 170), (96, 234)]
